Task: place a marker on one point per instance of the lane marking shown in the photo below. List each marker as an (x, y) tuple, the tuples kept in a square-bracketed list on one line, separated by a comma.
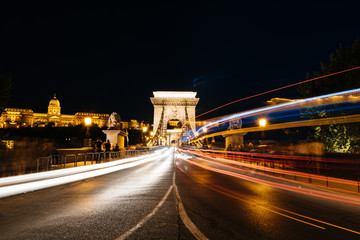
[(317, 220), (297, 214), (147, 217), (185, 218), (287, 211), (276, 212)]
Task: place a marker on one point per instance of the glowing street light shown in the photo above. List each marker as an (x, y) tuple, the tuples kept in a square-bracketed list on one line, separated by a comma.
[(87, 140), (204, 129), (88, 121), (152, 133), (262, 122), (144, 130)]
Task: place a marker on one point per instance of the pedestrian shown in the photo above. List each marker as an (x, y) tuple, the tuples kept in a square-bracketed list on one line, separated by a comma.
[(116, 148), (107, 146), (98, 145)]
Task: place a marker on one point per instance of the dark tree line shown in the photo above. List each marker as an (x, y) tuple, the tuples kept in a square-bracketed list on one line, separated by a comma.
[(343, 138)]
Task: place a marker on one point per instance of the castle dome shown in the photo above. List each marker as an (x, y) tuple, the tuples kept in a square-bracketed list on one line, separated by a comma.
[(54, 102)]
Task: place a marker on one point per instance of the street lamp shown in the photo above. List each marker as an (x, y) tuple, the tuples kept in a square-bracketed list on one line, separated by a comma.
[(262, 122), (144, 130), (87, 140), (88, 121)]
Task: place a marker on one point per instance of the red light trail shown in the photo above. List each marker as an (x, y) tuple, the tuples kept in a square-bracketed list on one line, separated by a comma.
[(280, 88), (264, 170), (311, 192)]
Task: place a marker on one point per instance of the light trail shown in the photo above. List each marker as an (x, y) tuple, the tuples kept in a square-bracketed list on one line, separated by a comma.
[(277, 89), (40, 183), (310, 192), (327, 99), (287, 157), (269, 207), (283, 161), (295, 124), (68, 171), (284, 172)]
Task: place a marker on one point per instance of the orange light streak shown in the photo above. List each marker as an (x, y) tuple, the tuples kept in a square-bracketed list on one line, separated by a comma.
[(244, 198), (310, 192), (287, 157), (303, 123), (325, 179), (288, 162), (281, 171)]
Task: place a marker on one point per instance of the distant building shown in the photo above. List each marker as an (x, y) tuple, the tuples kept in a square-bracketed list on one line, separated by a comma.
[(276, 101), (18, 117)]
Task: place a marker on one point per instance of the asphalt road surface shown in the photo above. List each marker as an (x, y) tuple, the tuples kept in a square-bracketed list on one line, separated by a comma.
[(105, 207), (140, 203), (226, 207)]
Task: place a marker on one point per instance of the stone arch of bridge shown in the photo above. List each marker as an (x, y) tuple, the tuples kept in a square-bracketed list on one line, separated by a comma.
[(173, 105)]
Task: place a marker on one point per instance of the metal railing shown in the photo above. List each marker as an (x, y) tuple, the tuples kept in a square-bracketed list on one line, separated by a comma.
[(334, 172), (71, 160)]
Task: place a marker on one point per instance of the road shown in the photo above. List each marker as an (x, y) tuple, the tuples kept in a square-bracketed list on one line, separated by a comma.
[(104, 207), (227, 207), (140, 203)]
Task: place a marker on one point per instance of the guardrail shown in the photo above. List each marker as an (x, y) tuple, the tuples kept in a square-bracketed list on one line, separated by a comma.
[(71, 160), (334, 173)]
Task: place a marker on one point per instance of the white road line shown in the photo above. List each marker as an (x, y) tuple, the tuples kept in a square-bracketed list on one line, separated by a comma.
[(146, 218), (185, 218)]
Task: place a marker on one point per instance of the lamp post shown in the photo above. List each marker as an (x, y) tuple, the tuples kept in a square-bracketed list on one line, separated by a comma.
[(87, 140), (262, 124), (144, 130)]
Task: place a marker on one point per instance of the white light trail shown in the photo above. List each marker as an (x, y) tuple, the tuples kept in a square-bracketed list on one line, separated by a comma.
[(284, 106), (63, 172), (55, 178)]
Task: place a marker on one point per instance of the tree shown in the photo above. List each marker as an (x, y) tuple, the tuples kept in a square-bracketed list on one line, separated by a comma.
[(336, 137), (343, 58)]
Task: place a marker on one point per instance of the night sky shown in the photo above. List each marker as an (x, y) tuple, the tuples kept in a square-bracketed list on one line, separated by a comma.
[(110, 57)]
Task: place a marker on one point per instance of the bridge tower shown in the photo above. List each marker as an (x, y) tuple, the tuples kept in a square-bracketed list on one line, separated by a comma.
[(172, 109)]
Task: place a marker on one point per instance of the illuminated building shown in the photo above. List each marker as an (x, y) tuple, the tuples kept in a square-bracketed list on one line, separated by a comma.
[(275, 101), (173, 109), (18, 117)]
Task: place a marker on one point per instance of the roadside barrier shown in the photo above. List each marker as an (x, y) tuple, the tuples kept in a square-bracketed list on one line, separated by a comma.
[(341, 173), (48, 163), (71, 160)]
